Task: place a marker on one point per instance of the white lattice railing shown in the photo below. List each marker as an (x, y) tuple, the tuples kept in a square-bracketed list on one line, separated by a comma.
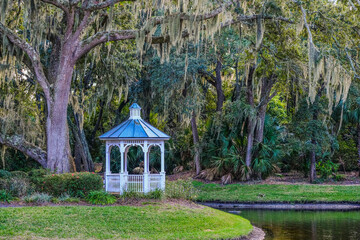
[(113, 182), (134, 183), (155, 181)]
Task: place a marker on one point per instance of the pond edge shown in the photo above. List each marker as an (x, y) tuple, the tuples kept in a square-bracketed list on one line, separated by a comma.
[(284, 206)]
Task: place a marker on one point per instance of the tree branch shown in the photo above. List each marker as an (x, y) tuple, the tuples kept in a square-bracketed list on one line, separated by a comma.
[(105, 4), (102, 37), (58, 4), (20, 144), (33, 55)]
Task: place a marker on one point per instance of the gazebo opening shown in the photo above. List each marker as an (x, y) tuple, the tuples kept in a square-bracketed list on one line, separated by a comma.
[(129, 173)]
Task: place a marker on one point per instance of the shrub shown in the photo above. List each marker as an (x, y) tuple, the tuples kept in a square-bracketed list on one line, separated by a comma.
[(181, 189), (67, 198), (55, 200), (5, 196), (37, 198), (100, 198), (156, 194), (4, 174), (36, 176), (326, 168), (18, 186), (339, 177), (3, 183), (74, 184), (19, 174)]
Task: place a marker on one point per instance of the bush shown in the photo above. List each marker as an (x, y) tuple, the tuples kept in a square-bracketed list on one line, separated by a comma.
[(156, 194), (339, 177), (36, 176), (55, 200), (326, 168), (38, 198), (5, 196), (19, 174), (74, 184), (18, 186), (67, 198), (3, 183), (100, 198), (4, 174), (181, 189)]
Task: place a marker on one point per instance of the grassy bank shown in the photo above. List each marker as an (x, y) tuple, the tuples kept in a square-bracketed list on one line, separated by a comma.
[(162, 221), (276, 193)]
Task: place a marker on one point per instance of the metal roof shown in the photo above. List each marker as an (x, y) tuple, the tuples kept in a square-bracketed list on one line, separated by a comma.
[(135, 105), (134, 128)]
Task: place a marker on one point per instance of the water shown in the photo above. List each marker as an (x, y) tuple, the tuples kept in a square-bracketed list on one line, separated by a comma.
[(305, 225)]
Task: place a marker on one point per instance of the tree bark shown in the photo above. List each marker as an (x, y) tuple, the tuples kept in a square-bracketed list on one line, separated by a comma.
[(251, 123), (57, 131), (218, 85), (82, 156), (265, 97), (259, 132), (313, 164), (195, 134)]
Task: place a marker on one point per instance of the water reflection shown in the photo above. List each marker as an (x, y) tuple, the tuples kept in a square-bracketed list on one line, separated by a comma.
[(305, 225)]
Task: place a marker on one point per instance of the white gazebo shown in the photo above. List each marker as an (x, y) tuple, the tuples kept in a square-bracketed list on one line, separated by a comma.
[(134, 132)]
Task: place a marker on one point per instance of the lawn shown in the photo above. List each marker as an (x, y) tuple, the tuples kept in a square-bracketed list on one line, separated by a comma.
[(276, 193), (163, 221)]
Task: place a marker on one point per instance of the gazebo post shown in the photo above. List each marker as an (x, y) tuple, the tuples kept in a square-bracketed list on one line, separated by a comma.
[(107, 163), (162, 173), (122, 175), (146, 168)]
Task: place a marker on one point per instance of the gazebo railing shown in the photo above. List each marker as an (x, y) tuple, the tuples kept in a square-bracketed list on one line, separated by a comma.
[(134, 183), (113, 182), (155, 181)]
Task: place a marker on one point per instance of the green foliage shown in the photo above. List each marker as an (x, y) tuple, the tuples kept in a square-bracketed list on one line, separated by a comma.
[(16, 186), (5, 196), (100, 198), (38, 198), (339, 177), (67, 198), (181, 189), (4, 174), (19, 174), (75, 184), (155, 194), (326, 168)]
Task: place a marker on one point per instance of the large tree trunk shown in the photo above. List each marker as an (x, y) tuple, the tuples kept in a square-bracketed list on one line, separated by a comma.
[(251, 123), (358, 145), (59, 157), (250, 142), (313, 165), (259, 133), (196, 143), (218, 84), (83, 159), (313, 153)]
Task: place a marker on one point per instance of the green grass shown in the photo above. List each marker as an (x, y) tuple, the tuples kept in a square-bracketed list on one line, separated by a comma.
[(120, 222), (276, 193)]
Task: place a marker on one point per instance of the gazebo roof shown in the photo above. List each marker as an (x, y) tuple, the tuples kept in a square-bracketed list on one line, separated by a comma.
[(134, 128)]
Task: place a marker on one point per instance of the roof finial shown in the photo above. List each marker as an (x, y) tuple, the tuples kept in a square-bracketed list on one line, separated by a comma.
[(135, 111)]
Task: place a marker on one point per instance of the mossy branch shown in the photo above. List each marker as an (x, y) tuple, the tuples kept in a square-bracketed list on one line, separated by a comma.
[(19, 143), (32, 54)]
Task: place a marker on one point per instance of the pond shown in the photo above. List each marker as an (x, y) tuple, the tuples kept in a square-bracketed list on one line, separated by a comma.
[(305, 225)]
